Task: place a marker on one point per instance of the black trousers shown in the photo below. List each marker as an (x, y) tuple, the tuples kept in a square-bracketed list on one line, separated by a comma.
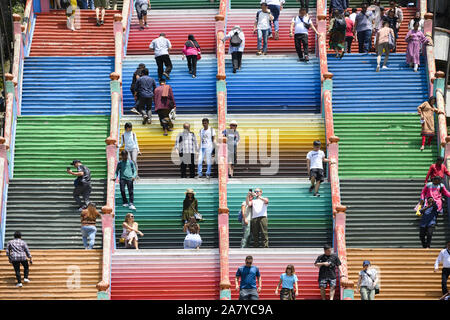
[(83, 190), (426, 233), (304, 4), (236, 59), (16, 265), (162, 61), (144, 106), (187, 159), (301, 39), (192, 64), (445, 274), (130, 186), (349, 41)]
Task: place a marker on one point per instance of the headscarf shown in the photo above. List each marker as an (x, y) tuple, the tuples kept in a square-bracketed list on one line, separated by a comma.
[(191, 43)]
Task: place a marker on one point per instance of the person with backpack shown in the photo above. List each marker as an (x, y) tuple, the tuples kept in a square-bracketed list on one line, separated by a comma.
[(367, 281), (127, 172), (207, 135), (82, 184), (301, 24), (142, 7), (136, 76), (236, 48), (337, 30), (363, 27), (392, 20), (192, 52), (383, 42), (262, 27), (186, 147), (129, 141), (245, 217)]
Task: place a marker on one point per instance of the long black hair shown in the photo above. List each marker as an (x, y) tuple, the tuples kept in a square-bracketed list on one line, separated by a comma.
[(191, 40), (187, 202)]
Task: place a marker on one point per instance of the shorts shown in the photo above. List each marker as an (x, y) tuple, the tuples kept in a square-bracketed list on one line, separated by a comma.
[(141, 10), (317, 173), (100, 3), (381, 46), (323, 283)]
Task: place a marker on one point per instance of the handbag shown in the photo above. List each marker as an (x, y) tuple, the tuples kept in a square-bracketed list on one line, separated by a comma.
[(197, 214), (377, 287), (417, 209), (391, 41), (172, 114), (199, 54)]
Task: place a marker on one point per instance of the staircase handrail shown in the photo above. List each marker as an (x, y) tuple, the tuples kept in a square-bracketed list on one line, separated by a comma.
[(221, 91), (127, 14), (103, 287), (333, 153)]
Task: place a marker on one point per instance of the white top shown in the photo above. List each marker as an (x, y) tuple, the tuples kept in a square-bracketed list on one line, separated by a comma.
[(161, 46), (259, 208), (299, 25), (273, 2), (411, 24), (368, 279), (263, 20), (242, 45), (444, 257), (206, 137), (129, 139), (353, 16), (316, 159)]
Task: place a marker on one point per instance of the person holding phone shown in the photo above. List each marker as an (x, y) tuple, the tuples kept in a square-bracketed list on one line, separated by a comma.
[(259, 224), (82, 184)]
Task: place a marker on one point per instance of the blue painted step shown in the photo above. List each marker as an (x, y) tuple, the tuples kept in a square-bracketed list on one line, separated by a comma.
[(191, 95), (357, 87), (274, 85), (66, 85)]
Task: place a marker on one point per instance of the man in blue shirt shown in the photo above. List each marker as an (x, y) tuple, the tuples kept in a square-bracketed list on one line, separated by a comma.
[(145, 86), (248, 275)]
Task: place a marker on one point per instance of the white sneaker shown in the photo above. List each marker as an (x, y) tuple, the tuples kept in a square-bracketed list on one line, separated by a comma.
[(384, 67), (19, 285), (132, 207), (125, 205), (26, 280)]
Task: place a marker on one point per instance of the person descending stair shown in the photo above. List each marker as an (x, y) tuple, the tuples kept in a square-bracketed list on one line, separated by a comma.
[(17, 252), (327, 264), (141, 9), (301, 24), (436, 190), (82, 184), (130, 143), (367, 281), (262, 27), (71, 10), (162, 46), (437, 169), (426, 112), (233, 139), (416, 40), (275, 7), (314, 164), (192, 53), (417, 18), (207, 135), (444, 257), (428, 222), (236, 48), (126, 170), (100, 6), (145, 86)]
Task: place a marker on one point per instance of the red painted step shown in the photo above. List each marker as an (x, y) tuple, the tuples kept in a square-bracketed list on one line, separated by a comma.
[(52, 38), (165, 275), (408, 14), (272, 263), (285, 44), (177, 25)]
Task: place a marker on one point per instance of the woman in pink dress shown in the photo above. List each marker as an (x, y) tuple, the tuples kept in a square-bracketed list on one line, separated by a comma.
[(415, 39)]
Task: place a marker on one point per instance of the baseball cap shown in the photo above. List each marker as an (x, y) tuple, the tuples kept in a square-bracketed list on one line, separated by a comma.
[(366, 262), (74, 161)]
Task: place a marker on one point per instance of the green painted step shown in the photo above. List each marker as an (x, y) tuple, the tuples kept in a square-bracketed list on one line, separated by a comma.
[(384, 145), (46, 145), (184, 4), (295, 217), (380, 214), (46, 214), (247, 4), (159, 208)]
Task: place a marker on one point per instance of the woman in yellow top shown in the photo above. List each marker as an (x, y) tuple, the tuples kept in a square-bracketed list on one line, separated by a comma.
[(426, 111), (70, 13)]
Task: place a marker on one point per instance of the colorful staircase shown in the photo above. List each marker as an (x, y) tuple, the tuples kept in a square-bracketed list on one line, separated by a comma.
[(51, 36), (54, 275), (159, 206), (192, 96), (165, 275), (245, 18), (184, 4), (296, 218), (177, 25), (254, 4), (66, 85), (405, 274), (275, 85)]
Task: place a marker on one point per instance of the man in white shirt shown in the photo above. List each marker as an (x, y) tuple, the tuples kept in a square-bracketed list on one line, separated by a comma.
[(444, 257), (206, 135), (262, 26), (161, 46), (258, 224), (275, 7), (314, 164), (301, 23)]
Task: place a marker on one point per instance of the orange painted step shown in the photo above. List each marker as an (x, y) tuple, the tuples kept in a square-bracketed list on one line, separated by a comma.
[(52, 38)]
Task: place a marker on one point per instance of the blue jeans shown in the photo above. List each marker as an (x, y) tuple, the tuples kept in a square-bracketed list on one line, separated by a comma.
[(204, 152), (88, 232), (248, 294), (364, 38), (275, 10), (90, 4), (263, 34)]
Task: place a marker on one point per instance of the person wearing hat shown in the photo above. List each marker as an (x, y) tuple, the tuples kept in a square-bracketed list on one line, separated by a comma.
[(136, 76), (367, 281), (233, 139), (236, 48), (82, 183), (190, 206), (162, 46)]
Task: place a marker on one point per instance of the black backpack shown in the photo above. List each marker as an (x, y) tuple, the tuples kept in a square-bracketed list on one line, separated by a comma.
[(65, 4), (235, 40), (339, 25)]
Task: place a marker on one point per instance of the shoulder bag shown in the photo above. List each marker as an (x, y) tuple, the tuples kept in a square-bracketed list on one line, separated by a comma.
[(377, 287), (197, 214)]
